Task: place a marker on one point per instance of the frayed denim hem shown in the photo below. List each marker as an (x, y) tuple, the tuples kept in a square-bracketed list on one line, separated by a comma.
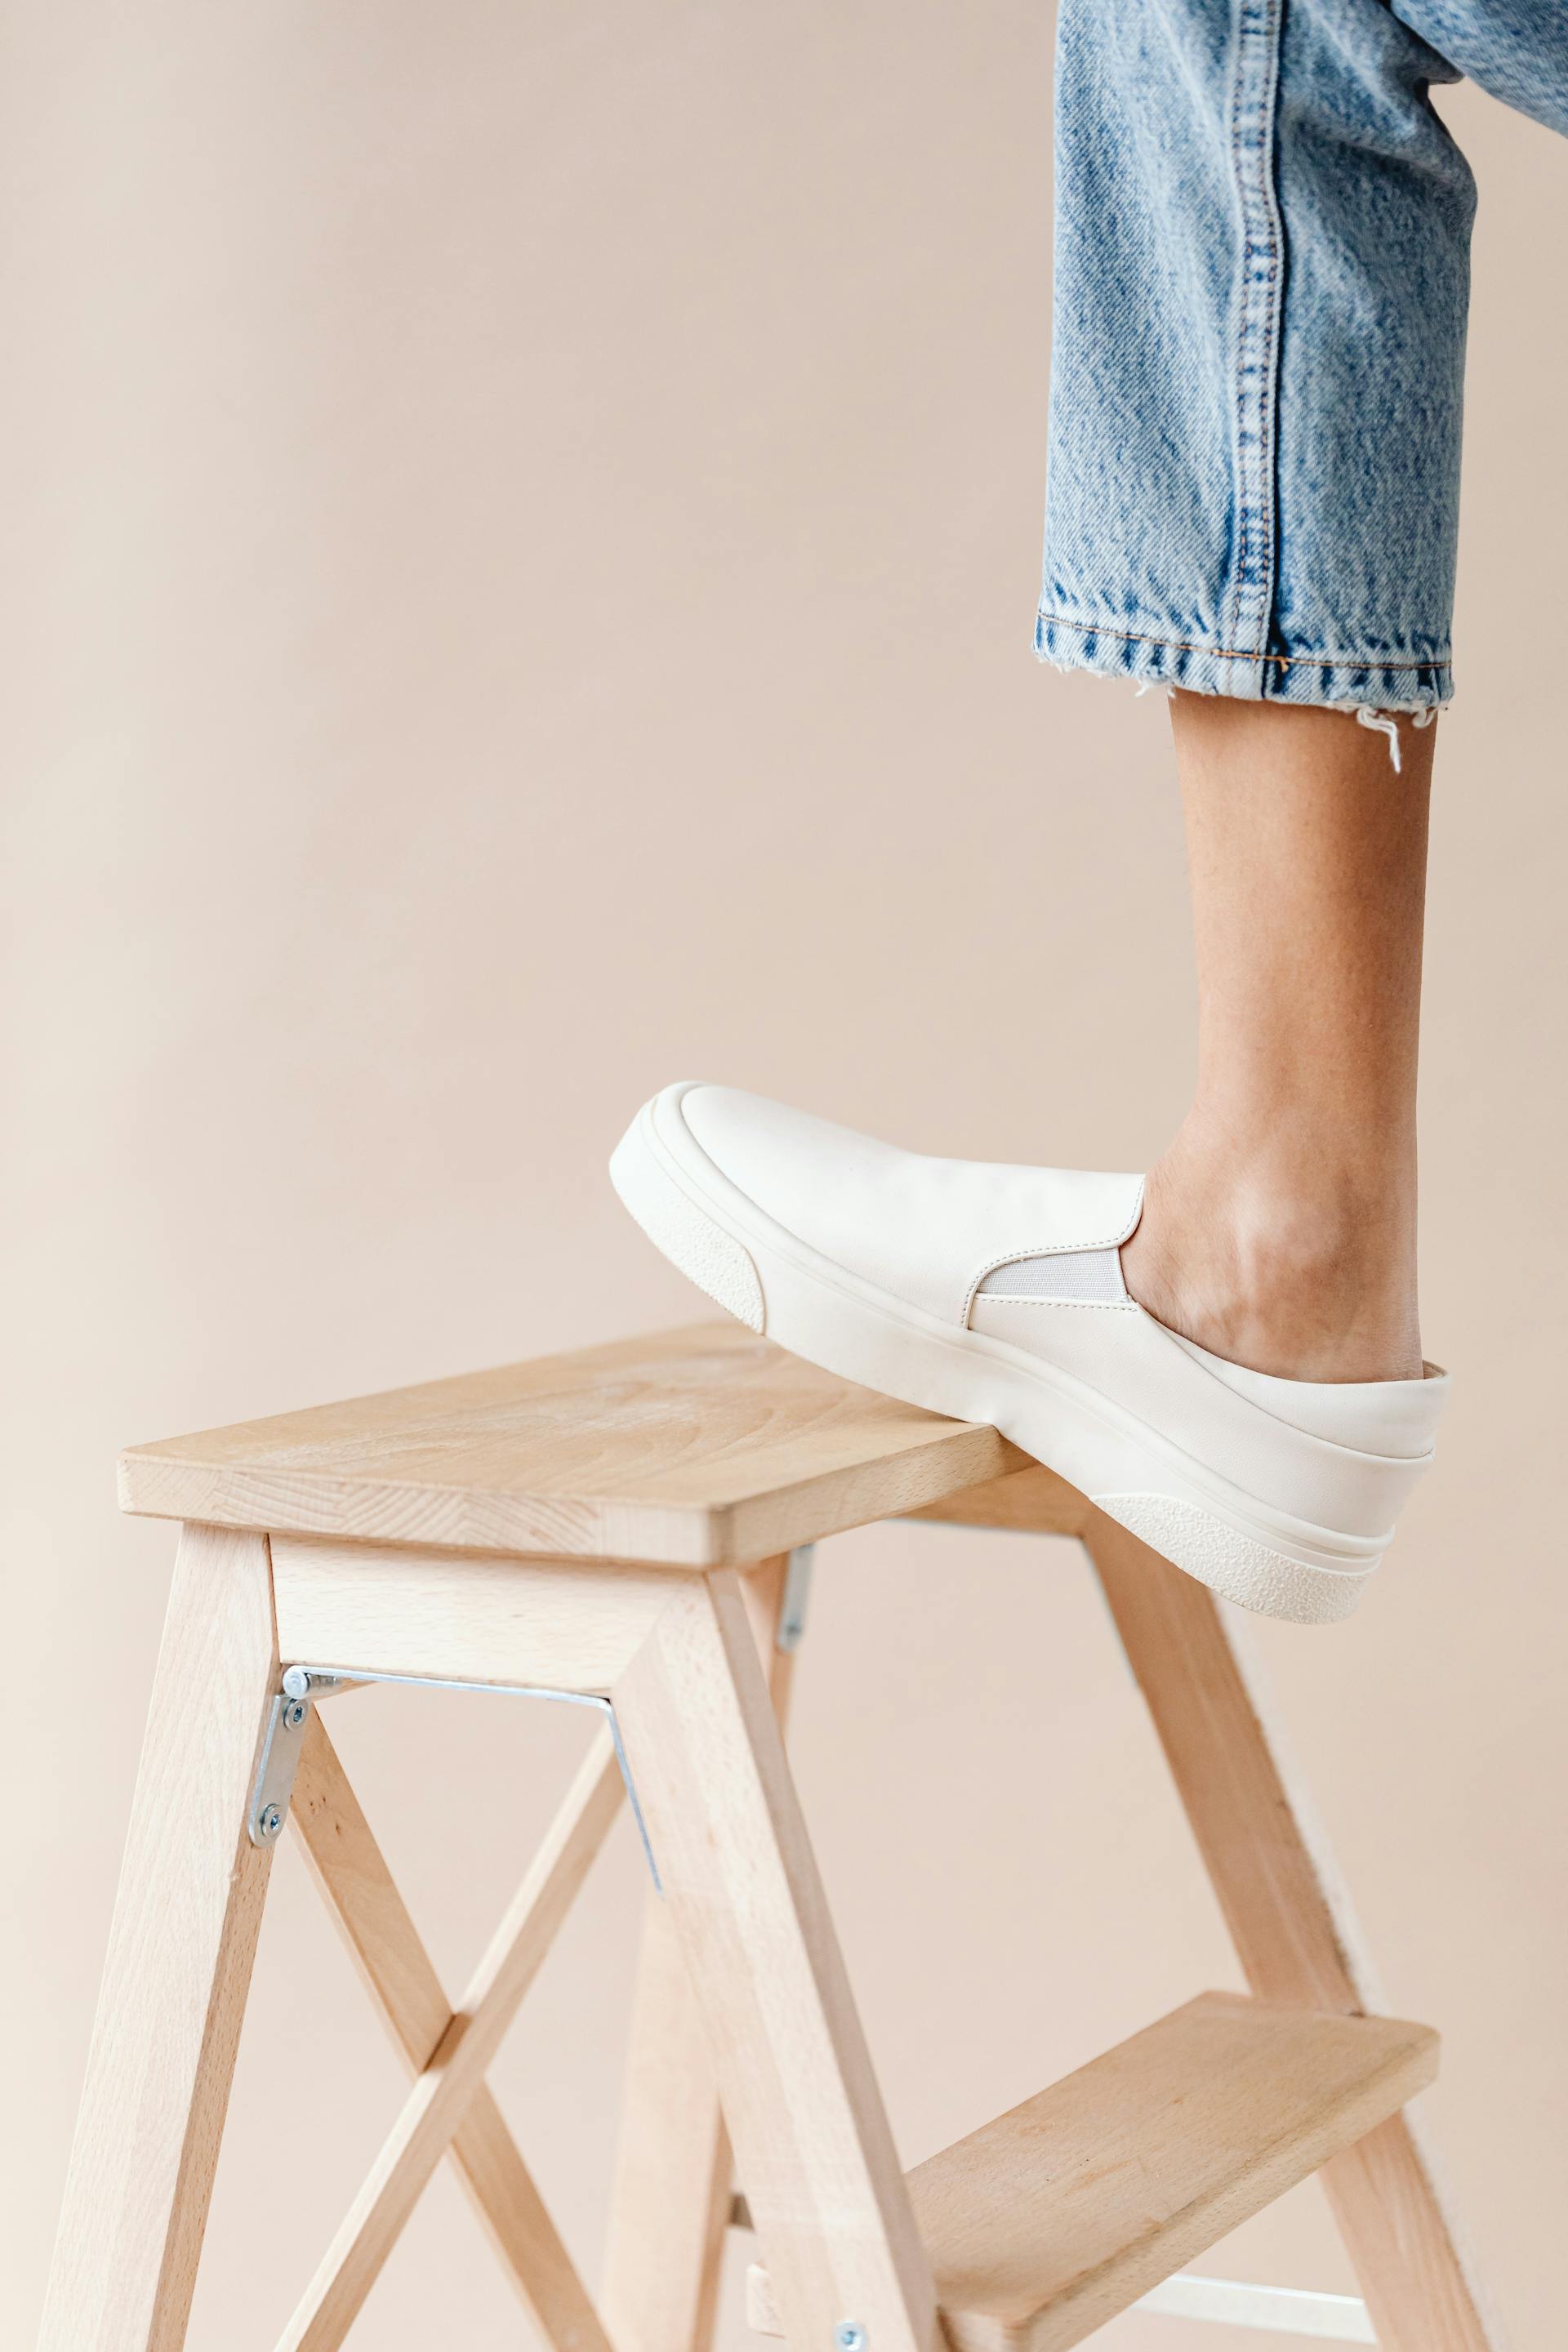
[(1152, 658)]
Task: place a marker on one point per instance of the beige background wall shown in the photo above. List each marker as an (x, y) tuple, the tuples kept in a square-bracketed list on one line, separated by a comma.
[(521, 538)]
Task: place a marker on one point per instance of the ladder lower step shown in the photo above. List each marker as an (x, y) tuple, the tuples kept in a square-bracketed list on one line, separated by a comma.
[(1045, 2224)]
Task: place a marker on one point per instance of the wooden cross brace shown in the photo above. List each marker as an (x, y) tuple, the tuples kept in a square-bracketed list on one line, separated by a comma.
[(450, 2110)]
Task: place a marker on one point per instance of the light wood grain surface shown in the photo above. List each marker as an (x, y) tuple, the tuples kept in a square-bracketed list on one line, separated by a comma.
[(701, 1447), (1042, 2225), (392, 1609)]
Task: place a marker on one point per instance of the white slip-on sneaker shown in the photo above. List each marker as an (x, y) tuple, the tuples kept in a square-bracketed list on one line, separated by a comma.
[(994, 1294)]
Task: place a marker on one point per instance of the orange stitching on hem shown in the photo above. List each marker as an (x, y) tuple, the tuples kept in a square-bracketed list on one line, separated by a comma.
[(1225, 652)]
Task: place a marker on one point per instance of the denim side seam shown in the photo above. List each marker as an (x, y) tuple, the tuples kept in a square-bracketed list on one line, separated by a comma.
[(1259, 302)]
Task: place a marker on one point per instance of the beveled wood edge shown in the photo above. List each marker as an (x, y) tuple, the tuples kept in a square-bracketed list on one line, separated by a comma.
[(934, 1482)]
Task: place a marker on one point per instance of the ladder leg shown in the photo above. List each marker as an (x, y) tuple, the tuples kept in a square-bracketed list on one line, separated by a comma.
[(670, 2205), (1292, 1922), (748, 1910), (178, 1969), (674, 2180)]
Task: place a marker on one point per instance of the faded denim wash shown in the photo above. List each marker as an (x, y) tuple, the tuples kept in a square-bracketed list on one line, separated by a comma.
[(1262, 276)]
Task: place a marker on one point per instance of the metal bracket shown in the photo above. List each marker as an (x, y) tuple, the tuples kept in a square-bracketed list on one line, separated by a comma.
[(279, 1762), (304, 1684), (791, 1630)]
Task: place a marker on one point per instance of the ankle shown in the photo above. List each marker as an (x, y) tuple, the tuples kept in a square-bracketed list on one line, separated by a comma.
[(1309, 1282)]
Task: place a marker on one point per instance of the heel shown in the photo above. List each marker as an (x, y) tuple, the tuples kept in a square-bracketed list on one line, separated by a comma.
[(1237, 1566)]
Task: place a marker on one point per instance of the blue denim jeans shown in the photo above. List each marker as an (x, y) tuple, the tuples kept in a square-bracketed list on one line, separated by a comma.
[(1262, 275)]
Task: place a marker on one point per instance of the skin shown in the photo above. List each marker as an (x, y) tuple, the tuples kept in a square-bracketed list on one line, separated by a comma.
[(1279, 1227)]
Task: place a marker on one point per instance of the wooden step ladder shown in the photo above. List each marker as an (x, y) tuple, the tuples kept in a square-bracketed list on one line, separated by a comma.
[(627, 1529)]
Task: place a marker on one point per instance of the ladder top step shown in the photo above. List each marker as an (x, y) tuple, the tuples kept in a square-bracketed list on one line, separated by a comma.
[(1045, 2224), (697, 1448)]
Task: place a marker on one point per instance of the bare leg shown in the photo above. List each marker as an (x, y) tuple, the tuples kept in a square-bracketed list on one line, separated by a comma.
[(1279, 1227)]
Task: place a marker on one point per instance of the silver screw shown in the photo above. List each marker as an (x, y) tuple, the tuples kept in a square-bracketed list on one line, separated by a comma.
[(270, 1822), (850, 2337), (294, 1714)]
